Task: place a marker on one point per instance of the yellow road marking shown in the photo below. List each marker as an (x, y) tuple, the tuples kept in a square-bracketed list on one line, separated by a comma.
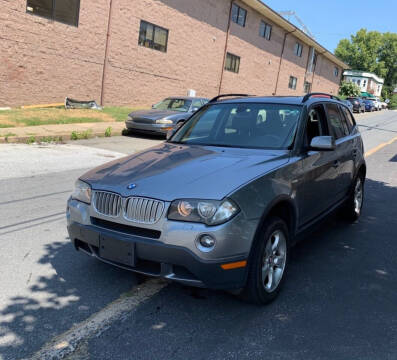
[(380, 146)]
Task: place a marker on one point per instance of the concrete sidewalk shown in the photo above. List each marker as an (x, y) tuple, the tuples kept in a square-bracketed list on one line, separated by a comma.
[(60, 132)]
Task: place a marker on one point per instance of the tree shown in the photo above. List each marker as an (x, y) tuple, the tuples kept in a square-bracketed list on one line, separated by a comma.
[(393, 102), (388, 55), (348, 88), (371, 51)]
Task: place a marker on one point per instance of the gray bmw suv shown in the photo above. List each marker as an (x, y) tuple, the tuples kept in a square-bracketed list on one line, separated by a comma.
[(221, 202)]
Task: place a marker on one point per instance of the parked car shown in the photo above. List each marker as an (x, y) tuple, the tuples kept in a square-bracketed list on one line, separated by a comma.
[(221, 202), (358, 104), (348, 104), (369, 105), (164, 115), (378, 104), (384, 105)]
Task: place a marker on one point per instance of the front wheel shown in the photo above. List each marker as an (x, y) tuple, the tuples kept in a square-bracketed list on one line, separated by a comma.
[(268, 264), (353, 207)]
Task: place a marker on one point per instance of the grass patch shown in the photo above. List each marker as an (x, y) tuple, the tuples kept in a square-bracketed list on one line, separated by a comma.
[(54, 116), (77, 135), (119, 113)]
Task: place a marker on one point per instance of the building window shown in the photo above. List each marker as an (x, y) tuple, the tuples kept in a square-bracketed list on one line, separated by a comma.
[(298, 49), (336, 71), (265, 30), (153, 36), (58, 10), (292, 82), (232, 63), (364, 83), (314, 62), (359, 82), (238, 15), (307, 87)]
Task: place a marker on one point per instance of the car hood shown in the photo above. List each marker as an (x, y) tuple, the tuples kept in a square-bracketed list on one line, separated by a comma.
[(171, 171), (153, 114)]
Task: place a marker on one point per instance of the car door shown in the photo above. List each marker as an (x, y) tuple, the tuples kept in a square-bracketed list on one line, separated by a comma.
[(317, 191), (352, 151), (345, 147)]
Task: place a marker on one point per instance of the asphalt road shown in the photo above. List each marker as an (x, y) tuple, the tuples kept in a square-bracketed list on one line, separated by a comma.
[(339, 301)]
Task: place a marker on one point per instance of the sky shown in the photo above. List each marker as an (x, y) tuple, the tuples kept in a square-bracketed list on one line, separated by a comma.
[(331, 21)]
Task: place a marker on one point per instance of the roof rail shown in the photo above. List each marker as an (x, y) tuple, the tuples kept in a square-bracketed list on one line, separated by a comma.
[(216, 98), (318, 94)]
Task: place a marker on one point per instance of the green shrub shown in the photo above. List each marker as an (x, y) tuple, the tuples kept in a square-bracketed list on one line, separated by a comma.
[(75, 135), (108, 132), (31, 140), (348, 88)]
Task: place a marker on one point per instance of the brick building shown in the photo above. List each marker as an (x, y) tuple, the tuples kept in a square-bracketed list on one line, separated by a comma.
[(139, 51)]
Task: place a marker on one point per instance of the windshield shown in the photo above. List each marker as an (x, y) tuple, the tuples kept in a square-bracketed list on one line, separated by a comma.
[(174, 105), (244, 125)]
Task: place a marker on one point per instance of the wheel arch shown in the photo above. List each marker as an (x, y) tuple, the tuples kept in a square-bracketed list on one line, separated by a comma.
[(282, 207), (361, 169)]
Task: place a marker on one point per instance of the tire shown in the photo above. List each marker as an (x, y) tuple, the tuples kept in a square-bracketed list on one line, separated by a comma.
[(353, 206), (268, 258)]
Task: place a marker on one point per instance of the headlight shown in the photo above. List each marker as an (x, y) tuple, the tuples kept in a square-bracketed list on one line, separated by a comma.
[(164, 121), (82, 192), (210, 212)]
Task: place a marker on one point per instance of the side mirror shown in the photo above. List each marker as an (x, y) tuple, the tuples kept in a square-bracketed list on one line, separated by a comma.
[(323, 143)]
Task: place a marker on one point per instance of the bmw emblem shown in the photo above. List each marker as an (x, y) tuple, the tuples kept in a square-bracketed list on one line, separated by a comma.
[(131, 186)]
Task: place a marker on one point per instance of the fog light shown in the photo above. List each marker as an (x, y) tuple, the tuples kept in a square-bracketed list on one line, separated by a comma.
[(206, 243)]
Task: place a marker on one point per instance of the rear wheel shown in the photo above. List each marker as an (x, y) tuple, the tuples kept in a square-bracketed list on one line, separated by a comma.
[(269, 262), (352, 209)]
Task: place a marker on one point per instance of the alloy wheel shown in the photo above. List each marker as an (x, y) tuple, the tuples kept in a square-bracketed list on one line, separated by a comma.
[(358, 196), (274, 261)]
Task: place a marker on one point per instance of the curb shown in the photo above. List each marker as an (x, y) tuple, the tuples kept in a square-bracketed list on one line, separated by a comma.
[(59, 138)]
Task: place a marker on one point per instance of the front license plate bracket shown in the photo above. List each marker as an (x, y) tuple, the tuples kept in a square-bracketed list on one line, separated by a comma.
[(115, 250)]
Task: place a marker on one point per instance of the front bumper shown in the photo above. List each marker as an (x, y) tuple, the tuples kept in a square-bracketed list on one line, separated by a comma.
[(153, 258), (148, 128)]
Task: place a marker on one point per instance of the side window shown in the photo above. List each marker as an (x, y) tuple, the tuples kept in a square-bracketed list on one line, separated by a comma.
[(315, 124), (336, 124), (197, 104), (349, 118)]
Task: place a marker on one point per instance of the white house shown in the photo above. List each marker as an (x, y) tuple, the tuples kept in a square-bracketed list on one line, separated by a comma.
[(367, 82)]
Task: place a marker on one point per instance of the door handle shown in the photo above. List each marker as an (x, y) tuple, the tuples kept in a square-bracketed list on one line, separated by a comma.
[(336, 163)]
